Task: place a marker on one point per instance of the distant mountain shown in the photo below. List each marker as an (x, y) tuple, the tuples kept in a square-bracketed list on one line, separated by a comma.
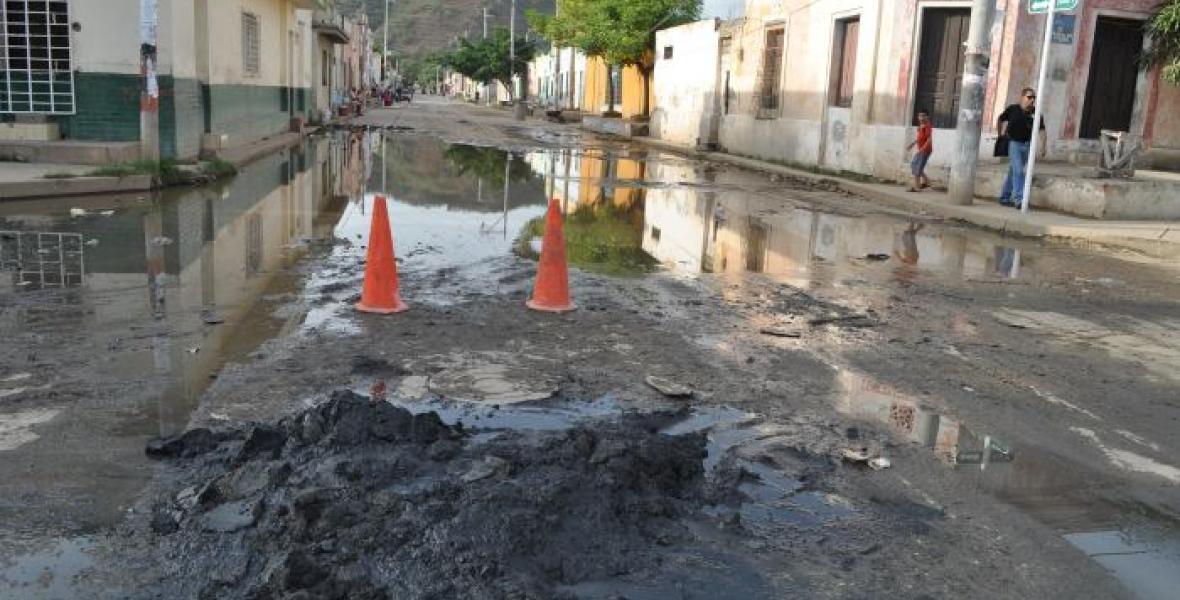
[(417, 27)]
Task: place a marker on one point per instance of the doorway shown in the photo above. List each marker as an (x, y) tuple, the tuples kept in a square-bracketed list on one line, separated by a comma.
[(940, 64), (1114, 74)]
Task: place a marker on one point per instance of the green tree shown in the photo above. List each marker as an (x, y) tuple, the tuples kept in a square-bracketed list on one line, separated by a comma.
[(488, 60), (488, 163), (1164, 32), (423, 70)]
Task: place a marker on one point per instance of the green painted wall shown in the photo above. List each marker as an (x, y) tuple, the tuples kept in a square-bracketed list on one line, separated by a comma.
[(249, 112), (182, 117), (108, 108)]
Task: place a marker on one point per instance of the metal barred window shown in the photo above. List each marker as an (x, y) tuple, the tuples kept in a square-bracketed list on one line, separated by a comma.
[(251, 44), (36, 70)]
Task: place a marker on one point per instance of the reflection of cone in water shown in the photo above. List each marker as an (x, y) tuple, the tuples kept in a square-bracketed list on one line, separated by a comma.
[(380, 293), (552, 291)]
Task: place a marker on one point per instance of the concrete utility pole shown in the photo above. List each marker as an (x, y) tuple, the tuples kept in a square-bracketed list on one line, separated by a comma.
[(385, 43), (555, 89), (518, 108), (487, 89), (149, 95), (974, 90)]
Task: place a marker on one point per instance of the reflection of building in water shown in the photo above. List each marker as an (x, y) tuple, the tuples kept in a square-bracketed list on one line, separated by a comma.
[(950, 439), (732, 231), (425, 172), (562, 172), (211, 249), (609, 177), (42, 259), (158, 271), (354, 171), (590, 177)]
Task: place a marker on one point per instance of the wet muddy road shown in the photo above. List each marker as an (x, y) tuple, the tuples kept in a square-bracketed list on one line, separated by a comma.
[(1025, 394)]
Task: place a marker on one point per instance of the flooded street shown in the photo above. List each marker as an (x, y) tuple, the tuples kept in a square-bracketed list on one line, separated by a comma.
[(1025, 393)]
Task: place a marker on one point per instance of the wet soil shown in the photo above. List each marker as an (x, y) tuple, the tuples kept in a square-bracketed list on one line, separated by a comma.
[(1021, 391)]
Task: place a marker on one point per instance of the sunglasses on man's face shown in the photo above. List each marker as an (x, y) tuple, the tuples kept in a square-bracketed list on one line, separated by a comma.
[(1031, 97)]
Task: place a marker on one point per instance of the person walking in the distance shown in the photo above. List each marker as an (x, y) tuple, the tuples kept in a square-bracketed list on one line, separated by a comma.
[(1016, 125), (925, 147)]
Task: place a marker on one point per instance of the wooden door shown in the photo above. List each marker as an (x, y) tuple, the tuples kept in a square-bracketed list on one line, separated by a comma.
[(1114, 73), (940, 64)]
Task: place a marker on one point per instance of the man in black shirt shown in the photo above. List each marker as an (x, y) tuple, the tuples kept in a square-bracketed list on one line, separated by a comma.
[(1016, 123)]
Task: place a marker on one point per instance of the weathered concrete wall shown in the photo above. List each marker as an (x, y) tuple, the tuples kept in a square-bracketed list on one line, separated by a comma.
[(685, 86), (571, 69), (108, 41), (244, 106), (871, 135), (225, 51), (676, 220)]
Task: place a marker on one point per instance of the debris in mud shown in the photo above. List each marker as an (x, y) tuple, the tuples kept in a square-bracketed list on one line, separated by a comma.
[(367, 365), (877, 257), (377, 392), (844, 321), (863, 456), (493, 377), (668, 388), (781, 332), (353, 499)]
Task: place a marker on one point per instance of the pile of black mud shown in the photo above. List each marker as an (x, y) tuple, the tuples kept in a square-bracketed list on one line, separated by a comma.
[(355, 499)]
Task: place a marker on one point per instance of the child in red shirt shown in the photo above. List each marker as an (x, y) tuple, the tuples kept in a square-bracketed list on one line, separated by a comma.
[(925, 144)]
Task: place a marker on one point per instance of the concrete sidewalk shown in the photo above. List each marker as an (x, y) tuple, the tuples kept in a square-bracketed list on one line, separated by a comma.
[(29, 180), (37, 180), (1160, 239)]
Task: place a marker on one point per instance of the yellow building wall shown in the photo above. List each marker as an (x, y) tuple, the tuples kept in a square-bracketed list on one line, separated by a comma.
[(594, 90), (622, 176)]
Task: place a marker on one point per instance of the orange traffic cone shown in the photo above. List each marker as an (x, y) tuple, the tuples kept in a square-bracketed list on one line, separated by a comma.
[(552, 291), (380, 294)]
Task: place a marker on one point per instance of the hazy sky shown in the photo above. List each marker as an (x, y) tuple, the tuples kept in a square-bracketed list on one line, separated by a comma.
[(726, 9)]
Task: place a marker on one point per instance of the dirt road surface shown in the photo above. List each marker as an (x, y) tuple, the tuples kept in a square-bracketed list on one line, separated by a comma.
[(1024, 394)]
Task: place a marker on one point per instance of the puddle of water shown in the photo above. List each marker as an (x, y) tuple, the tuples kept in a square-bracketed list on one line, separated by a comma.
[(725, 429), (455, 211), (1100, 517), (773, 499), (48, 574), (538, 417), (1143, 561), (161, 290), (950, 439), (724, 230)]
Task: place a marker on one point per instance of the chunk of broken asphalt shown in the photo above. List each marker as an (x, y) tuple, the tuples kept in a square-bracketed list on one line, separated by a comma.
[(191, 443), (668, 388), (232, 516)]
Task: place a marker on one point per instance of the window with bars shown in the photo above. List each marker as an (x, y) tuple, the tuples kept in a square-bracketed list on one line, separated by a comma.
[(844, 61), (251, 44), (36, 73), (772, 70)]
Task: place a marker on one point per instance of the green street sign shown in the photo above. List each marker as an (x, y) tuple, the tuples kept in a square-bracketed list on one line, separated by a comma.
[(1042, 6)]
